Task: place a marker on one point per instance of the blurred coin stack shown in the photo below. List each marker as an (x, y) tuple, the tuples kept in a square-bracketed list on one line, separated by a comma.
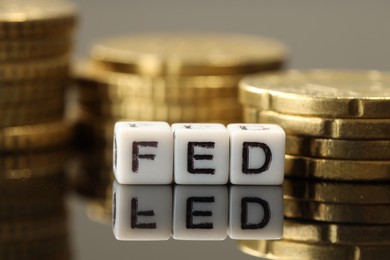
[(35, 47), (188, 77), (173, 77), (336, 195), (36, 41)]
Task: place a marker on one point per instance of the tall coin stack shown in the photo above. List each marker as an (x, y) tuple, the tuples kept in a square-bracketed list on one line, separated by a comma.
[(336, 195), (172, 77), (35, 45)]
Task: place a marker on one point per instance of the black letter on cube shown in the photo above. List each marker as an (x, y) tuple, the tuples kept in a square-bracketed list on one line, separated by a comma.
[(190, 213), (191, 157), (245, 157), (135, 213), (244, 213), (136, 155)]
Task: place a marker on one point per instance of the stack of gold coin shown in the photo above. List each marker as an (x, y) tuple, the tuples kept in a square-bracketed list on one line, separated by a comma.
[(336, 194), (35, 48), (337, 122), (35, 45), (173, 77)]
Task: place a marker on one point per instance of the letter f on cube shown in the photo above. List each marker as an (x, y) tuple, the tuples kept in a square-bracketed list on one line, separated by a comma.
[(143, 153)]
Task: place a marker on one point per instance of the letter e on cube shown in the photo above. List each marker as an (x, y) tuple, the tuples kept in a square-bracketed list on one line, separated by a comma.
[(201, 153)]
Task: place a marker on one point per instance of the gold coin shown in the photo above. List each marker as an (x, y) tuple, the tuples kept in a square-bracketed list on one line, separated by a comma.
[(37, 136), (337, 192), (12, 210), (329, 127), (51, 110), (337, 170), (30, 202), (39, 172), (290, 249), (167, 96), (34, 165), (97, 84), (323, 93), (48, 248), (48, 68), (212, 103), (189, 54), (22, 18), (32, 159), (101, 130), (148, 111), (250, 114), (337, 212), (27, 49), (96, 129), (338, 149), (315, 232), (28, 92), (38, 187), (33, 229)]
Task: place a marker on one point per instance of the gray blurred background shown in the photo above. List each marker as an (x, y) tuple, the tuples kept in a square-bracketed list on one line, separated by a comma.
[(328, 34)]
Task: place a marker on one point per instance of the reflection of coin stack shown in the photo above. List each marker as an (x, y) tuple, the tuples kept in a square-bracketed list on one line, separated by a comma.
[(188, 77), (35, 43), (33, 217), (338, 140)]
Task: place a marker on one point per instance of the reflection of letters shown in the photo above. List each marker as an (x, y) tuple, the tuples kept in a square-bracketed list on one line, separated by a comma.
[(191, 157), (245, 157), (245, 202), (135, 214), (136, 155), (191, 213)]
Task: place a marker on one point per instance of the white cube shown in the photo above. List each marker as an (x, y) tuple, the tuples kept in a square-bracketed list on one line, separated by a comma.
[(143, 153), (201, 153), (200, 212), (256, 212), (256, 154), (138, 215)]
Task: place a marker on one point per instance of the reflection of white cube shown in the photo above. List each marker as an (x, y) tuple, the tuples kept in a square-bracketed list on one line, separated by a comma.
[(201, 153), (256, 212), (200, 212), (138, 215), (256, 154), (143, 153)]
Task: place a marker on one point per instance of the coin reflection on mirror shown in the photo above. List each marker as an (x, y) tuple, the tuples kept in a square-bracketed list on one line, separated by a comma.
[(196, 212), (33, 211)]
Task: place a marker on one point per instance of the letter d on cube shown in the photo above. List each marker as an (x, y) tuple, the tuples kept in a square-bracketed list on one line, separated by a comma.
[(143, 153), (256, 154)]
